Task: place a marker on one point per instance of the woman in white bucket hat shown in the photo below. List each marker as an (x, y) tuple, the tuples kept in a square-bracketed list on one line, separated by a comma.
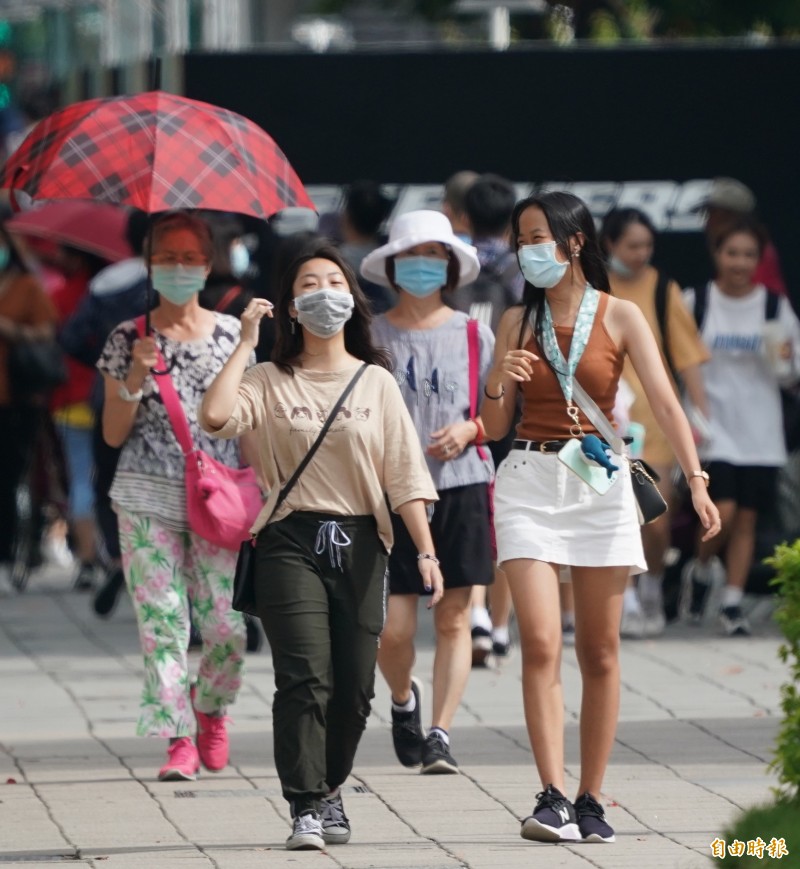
[(440, 378)]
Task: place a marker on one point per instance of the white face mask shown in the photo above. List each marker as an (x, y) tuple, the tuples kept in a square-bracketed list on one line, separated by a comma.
[(618, 267), (325, 311), (539, 265)]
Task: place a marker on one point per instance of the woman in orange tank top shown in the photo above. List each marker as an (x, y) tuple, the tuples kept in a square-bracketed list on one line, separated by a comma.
[(570, 330)]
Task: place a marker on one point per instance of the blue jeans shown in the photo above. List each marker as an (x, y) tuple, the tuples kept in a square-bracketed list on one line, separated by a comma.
[(79, 457)]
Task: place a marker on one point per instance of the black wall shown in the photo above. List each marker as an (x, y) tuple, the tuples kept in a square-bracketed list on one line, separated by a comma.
[(543, 115)]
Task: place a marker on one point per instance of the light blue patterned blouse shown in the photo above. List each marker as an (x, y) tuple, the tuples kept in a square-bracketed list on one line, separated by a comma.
[(431, 367)]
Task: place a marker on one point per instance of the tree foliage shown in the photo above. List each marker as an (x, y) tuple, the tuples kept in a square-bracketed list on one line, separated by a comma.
[(611, 20)]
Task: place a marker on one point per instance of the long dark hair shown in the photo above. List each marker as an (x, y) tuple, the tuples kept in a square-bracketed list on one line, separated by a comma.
[(618, 220), (566, 215), (357, 337)]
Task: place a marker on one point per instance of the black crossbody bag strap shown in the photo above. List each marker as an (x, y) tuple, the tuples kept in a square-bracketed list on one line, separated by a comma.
[(320, 437)]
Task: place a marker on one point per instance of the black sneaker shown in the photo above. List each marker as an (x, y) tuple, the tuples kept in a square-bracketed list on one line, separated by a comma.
[(84, 580), (592, 820), (696, 587), (107, 595), (481, 646), (436, 757), (500, 650), (553, 819), (335, 825), (733, 622), (306, 833), (407, 733)]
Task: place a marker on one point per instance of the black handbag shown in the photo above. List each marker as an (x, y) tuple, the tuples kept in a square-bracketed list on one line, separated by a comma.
[(650, 503), (35, 367), (244, 577)]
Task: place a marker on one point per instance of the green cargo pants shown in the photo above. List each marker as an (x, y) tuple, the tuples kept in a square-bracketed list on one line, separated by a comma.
[(321, 596)]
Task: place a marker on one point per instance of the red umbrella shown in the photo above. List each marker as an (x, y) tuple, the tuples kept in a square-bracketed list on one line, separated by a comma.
[(155, 151), (90, 226)]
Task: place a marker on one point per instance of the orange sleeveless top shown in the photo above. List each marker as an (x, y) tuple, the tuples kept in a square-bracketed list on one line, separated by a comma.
[(544, 414)]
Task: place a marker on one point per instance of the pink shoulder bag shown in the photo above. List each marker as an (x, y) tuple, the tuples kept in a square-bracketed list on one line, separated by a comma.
[(222, 503), (474, 350)]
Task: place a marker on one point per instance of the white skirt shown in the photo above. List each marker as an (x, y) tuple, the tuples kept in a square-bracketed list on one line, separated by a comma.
[(544, 511)]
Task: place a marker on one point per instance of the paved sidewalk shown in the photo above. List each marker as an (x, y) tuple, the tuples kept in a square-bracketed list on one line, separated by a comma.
[(699, 714)]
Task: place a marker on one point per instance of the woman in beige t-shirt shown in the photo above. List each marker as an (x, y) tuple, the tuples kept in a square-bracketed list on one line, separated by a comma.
[(321, 556), (628, 237)]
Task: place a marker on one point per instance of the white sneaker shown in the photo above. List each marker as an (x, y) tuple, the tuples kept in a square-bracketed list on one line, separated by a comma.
[(632, 625), (306, 833), (654, 623), (56, 552)]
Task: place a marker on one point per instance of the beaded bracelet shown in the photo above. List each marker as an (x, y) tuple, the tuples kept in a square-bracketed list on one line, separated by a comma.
[(427, 556)]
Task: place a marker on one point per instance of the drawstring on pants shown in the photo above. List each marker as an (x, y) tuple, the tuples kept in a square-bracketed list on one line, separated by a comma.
[(330, 535)]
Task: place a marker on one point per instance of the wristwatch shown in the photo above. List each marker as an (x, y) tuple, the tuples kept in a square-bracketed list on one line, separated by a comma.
[(703, 474), (123, 393)]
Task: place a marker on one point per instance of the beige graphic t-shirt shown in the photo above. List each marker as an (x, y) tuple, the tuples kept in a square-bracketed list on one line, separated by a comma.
[(371, 449)]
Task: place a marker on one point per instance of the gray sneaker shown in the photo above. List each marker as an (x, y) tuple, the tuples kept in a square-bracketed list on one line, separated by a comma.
[(733, 622), (335, 825), (306, 833)]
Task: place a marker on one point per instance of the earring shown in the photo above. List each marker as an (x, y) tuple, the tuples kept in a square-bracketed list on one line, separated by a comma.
[(291, 324)]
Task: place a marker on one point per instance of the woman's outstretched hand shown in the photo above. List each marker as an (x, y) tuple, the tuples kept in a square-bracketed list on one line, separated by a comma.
[(251, 318), (706, 510)]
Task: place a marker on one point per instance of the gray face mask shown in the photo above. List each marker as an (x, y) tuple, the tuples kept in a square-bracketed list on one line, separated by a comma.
[(324, 312)]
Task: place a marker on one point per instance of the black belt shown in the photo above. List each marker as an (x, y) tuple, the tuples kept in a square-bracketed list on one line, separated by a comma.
[(538, 446), (547, 446)]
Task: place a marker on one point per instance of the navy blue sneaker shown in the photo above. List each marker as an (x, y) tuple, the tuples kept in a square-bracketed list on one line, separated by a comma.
[(592, 820), (408, 736), (553, 819)]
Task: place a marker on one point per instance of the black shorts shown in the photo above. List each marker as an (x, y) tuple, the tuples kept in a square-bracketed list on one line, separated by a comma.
[(460, 531), (750, 486)]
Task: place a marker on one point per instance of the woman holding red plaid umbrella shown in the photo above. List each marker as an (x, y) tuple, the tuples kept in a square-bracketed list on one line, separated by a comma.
[(165, 563)]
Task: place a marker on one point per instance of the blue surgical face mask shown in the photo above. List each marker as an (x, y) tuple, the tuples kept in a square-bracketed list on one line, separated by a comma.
[(240, 259), (178, 283), (324, 312), (5, 256), (465, 237), (618, 267), (539, 265), (420, 275)]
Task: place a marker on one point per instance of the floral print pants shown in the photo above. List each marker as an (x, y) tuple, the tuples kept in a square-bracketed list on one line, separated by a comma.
[(164, 571)]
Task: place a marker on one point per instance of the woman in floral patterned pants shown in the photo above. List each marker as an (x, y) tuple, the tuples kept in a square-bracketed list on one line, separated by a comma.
[(166, 566)]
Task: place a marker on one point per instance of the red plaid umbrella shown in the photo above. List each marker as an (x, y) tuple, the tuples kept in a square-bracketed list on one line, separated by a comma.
[(155, 151)]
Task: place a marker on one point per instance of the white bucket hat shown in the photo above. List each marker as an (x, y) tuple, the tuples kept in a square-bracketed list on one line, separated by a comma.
[(417, 227)]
